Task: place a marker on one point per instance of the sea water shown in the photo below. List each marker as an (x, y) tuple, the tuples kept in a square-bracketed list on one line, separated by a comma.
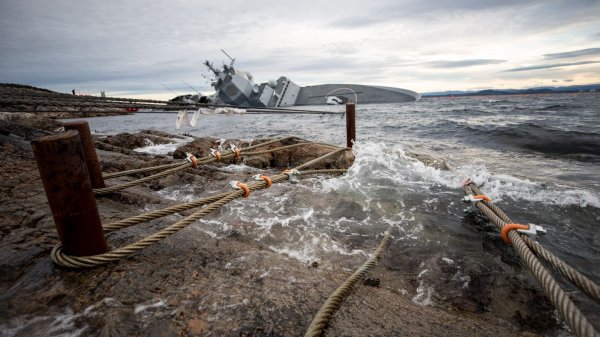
[(536, 156)]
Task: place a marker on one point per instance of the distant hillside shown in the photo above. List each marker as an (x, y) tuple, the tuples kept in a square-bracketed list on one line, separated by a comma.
[(537, 90)]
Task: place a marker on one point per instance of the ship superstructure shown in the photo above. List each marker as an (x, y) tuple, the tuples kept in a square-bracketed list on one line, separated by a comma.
[(237, 87)]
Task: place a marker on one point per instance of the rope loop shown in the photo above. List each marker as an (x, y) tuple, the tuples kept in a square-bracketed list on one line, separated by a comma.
[(235, 150), (509, 227), (241, 186), (215, 154), (192, 159), (265, 178)]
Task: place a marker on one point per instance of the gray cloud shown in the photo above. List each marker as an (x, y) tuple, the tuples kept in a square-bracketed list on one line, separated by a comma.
[(575, 53), (137, 44), (547, 66), (462, 63), (384, 11)]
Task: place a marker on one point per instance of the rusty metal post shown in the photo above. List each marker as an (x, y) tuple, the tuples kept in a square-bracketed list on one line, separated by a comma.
[(64, 173), (89, 151), (350, 124)]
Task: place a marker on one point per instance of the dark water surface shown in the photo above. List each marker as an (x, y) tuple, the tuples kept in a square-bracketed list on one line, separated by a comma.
[(536, 156)]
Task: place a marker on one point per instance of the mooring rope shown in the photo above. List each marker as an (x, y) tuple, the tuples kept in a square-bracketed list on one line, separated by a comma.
[(567, 309), (287, 147), (59, 257), (156, 214), (140, 170), (180, 166), (581, 281), (321, 319)]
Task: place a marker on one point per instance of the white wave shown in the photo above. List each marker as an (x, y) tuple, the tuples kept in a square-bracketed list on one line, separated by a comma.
[(381, 165), (160, 149), (183, 193), (239, 168), (504, 186)]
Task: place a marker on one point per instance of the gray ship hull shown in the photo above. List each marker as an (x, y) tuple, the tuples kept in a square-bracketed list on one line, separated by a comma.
[(237, 87), (317, 94)]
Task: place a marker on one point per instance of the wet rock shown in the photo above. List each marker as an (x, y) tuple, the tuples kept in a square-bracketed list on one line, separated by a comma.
[(199, 147), (372, 282), (161, 134), (136, 140), (119, 322), (196, 327), (28, 125), (288, 158)]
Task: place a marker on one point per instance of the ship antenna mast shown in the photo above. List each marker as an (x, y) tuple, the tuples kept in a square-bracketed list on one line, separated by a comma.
[(164, 86), (184, 82), (232, 59)]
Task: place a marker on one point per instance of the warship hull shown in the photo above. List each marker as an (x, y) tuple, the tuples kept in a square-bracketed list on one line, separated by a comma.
[(318, 94), (237, 87)]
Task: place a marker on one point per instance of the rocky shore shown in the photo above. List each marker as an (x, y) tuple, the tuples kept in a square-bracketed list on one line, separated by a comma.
[(193, 283)]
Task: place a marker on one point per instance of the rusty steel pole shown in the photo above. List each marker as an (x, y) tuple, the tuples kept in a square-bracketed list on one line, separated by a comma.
[(350, 124), (65, 177), (89, 151)]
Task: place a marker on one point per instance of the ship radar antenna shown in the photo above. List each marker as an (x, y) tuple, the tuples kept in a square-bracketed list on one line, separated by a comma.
[(211, 67), (231, 58)]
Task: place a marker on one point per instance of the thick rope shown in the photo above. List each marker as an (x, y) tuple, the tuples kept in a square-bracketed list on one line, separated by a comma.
[(123, 186), (140, 170), (321, 319), (567, 309), (330, 171), (179, 166), (316, 160), (156, 214), (581, 281), (205, 160), (62, 259), (255, 153)]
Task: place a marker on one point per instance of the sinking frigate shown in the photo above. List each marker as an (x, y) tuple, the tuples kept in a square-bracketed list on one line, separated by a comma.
[(237, 87)]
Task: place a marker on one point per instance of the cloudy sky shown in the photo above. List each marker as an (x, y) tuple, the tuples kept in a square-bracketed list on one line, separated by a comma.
[(136, 48)]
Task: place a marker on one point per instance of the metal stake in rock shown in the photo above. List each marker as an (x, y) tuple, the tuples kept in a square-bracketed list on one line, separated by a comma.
[(350, 124)]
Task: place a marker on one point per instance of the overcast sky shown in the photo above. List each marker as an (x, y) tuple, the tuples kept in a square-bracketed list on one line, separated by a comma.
[(135, 47)]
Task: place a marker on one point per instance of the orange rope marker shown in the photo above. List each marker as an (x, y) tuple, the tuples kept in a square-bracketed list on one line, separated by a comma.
[(192, 159), (241, 186), (216, 153), (509, 227), (266, 179), (245, 188), (236, 150), (483, 197)]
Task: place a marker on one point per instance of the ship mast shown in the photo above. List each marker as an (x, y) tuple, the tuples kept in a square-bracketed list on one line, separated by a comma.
[(232, 59)]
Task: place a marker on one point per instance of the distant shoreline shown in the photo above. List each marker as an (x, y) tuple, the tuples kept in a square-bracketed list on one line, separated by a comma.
[(532, 91)]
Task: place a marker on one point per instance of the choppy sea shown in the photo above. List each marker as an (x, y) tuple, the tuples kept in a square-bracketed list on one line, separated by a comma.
[(536, 156)]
